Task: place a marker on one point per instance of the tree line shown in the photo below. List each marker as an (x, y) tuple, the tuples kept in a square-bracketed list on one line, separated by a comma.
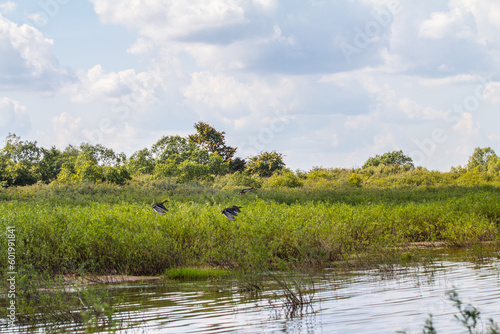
[(203, 155)]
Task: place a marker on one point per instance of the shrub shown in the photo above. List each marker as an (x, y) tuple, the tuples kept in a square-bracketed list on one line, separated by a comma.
[(288, 179), (245, 180), (355, 180)]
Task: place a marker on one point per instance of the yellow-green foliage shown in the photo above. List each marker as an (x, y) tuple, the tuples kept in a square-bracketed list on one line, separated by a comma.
[(355, 180), (245, 180), (282, 180)]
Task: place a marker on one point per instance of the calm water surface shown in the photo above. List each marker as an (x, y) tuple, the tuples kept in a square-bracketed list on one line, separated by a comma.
[(375, 301)]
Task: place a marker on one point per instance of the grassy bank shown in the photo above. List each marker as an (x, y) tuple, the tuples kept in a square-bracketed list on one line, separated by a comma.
[(112, 229)]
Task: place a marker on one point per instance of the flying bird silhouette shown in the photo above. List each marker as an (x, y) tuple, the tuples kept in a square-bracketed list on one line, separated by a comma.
[(160, 208), (244, 191), (231, 212)]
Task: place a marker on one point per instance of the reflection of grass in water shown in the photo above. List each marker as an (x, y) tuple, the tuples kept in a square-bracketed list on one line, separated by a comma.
[(298, 293), (468, 316), (42, 299)]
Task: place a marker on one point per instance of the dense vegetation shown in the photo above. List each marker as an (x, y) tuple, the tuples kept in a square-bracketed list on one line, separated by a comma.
[(200, 156), (105, 228), (88, 208), (204, 157)]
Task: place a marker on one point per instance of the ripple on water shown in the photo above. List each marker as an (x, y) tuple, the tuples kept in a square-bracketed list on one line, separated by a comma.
[(351, 302)]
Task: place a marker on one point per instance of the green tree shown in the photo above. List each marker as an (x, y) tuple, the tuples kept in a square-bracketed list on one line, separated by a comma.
[(494, 164), (191, 170), (212, 140), (18, 160), (481, 158), (21, 151), (50, 165), (166, 169), (94, 164), (171, 147), (141, 162), (216, 165), (237, 165), (394, 158), (266, 163)]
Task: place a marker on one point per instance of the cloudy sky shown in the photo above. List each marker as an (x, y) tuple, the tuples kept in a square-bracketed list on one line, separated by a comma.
[(326, 83)]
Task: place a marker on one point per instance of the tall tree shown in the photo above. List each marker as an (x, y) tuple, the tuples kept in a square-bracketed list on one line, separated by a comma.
[(481, 158), (51, 164), (141, 162), (18, 159), (212, 140), (175, 148)]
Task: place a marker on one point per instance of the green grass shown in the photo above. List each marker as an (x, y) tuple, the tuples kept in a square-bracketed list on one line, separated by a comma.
[(185, 273), (103, 228)]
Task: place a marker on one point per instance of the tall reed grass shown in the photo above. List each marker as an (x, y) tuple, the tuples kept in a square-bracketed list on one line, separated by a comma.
[(112, 229)]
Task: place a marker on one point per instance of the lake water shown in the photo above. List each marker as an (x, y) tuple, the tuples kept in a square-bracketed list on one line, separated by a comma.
[(384, 300)]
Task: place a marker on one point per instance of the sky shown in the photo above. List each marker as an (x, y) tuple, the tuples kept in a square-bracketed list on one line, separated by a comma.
[(326, 83)]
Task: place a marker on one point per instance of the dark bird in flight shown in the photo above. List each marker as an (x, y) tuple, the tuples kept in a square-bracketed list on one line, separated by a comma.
[(231, 212), (160, 208), (244, 191)]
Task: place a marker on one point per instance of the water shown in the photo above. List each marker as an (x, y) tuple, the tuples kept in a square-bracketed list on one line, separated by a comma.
[(384, 300)]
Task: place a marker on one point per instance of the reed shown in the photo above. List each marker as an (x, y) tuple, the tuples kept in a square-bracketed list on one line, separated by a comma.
[(110, 229), (298, 292)]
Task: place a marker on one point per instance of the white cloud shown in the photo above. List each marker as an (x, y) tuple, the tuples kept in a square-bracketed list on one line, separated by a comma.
[(159, 20), (466, 125), (495, 138), (487, 18), (442, 24), (232, 99), (142, 45), (126, 86), (470, 19), (414, 111), (382, 142), (326, 137), (27, 58), (242, 65), (387, 102), (358, 121), (491, 93), (7, 7), (251, 35), (13, 116), (449, 81), (67, 129)]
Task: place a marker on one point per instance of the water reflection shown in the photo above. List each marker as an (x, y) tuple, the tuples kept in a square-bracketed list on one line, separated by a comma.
[(383, 300)]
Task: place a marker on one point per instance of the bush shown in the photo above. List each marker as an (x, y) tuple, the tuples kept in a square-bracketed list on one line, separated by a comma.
[(245, 180), (355, 180), (288, 179), (265, 164)]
